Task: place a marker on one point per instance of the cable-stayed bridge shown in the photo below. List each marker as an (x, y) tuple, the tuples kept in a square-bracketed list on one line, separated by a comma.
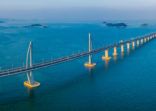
[(30, 66)]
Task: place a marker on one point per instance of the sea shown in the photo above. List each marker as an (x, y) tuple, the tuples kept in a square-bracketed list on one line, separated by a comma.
[(125, 83)]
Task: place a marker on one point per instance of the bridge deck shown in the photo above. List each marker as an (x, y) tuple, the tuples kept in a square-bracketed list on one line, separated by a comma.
[(36, 66)]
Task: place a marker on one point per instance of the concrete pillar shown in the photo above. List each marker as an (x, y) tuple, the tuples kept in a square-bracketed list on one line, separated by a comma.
[(133, 44), (153, 36), (138, 42), (106, 56), (145, 40), (128, 47), (122, 48), (142, 41), (148, 38), (115, 51)]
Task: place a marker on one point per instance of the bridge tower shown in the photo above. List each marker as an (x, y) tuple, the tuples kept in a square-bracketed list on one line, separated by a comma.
[(30, 83), (89, 64)]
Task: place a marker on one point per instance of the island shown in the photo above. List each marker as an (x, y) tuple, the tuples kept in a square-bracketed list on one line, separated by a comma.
[(118, 25), (36, 25), (144, 25), (1, 21)]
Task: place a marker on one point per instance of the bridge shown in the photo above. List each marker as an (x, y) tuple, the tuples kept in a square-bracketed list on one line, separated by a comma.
[(30, 83)]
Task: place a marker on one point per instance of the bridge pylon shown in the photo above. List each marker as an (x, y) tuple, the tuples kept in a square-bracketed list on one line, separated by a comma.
[(89, 64), (30, 83)]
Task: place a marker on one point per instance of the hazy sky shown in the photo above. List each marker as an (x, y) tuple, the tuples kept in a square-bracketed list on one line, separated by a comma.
[(82, 10), (37, 4)]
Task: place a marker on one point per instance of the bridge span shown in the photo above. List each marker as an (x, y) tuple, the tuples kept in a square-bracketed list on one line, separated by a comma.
[(31, 67)]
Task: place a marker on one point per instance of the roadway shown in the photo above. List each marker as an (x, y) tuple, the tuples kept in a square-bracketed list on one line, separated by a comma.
[(36, 66)]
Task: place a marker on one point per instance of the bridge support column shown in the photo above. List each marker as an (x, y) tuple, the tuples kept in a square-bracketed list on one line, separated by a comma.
[(133, 44), (148, 38), (142, 41), (89, 64), (115, 51), (122, 48), (138, 43), (30, 83), (128, 46), (106, 57), (145, 40), (153, 36)]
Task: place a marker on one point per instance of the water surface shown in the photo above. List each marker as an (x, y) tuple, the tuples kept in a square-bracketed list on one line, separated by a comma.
[(128, 83)]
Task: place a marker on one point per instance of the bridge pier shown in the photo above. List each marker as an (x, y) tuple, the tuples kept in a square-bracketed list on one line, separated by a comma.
[(106, 57), (122, 48), (138, 43), (115, 51), (89, 64), (145, 40), (152, 36), (142, 41), (133, 44), (30, 83), (128, 47), (148, 38)]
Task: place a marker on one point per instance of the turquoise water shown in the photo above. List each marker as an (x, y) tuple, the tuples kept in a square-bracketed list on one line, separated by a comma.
[(127, 84)]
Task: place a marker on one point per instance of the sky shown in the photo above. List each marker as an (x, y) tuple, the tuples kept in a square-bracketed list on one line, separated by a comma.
[(78, 10)]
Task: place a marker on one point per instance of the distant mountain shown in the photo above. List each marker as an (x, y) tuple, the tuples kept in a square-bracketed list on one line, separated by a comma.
[(118, 25)]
